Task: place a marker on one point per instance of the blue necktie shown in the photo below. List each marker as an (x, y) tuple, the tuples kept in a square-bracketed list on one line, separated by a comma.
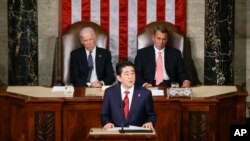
[(90, 66)]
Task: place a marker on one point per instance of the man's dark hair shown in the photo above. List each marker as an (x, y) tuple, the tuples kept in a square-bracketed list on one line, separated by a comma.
[(123, 64), (161, 28)]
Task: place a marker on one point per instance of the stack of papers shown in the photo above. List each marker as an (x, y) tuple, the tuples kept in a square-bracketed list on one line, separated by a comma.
[(157, 92), (58, 89), (131, 128)]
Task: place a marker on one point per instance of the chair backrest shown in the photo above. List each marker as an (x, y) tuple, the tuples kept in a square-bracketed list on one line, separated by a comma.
[(71, 41), (175, 38)]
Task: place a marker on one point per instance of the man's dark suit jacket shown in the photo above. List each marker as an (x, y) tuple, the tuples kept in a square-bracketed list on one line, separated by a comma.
[(141, 110), (79, 67), (145, 65)]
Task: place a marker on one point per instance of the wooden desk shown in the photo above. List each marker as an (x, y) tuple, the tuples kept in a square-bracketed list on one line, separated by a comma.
[(28, 118), (98, 134)]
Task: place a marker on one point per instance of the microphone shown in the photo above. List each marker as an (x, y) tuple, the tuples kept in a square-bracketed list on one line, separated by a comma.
[(122, 106)]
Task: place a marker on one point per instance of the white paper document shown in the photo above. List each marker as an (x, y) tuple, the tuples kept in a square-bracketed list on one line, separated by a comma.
[(58, 89), (157, 92), (128, 128)]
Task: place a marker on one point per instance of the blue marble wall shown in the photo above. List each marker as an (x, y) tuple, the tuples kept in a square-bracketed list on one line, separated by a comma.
[(219, 45), (23, 42)]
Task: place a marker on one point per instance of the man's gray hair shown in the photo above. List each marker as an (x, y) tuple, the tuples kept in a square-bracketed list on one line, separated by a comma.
[(87, 29)]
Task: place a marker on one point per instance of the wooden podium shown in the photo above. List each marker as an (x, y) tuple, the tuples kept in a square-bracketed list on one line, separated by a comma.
[(98, 134), (35, 113)]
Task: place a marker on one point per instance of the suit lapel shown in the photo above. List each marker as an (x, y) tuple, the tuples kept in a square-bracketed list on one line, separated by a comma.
[(135, 99), (167, 60), (84, 57), (98, 60), (118, 96), (152, 61), (118, 99)]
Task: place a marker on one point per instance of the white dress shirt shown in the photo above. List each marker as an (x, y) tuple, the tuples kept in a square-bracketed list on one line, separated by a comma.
[(130, 95), (93, 74)]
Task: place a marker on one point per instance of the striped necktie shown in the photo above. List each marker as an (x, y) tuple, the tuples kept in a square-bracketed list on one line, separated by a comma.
[(90, 66)]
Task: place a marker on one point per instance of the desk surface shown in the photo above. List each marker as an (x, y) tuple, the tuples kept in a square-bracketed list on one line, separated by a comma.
[(39, 91), (104, 135), (100, 131)]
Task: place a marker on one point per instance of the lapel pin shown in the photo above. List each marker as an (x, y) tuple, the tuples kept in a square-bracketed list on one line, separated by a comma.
[(100, 56), (139, 95)]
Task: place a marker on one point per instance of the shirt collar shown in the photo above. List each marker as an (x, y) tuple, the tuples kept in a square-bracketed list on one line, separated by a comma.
[(130, 90), (93, 51), (157, 50)]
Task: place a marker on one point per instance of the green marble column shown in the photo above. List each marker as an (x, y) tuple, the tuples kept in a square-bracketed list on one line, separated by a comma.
[(219, 42), (23, 42)]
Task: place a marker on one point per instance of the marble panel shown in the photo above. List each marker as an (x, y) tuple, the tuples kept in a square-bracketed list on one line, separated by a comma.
[(23, 42), (219, 32)]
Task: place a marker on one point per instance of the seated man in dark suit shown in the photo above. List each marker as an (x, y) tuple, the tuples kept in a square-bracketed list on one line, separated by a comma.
[(135, 101), (158, 65), (90, 65)]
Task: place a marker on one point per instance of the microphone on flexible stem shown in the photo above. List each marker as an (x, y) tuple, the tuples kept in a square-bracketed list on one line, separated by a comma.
[(122, 106)]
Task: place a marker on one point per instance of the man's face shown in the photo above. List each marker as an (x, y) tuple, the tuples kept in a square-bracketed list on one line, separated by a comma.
[(127, 77), (160, 40), (88, 40)]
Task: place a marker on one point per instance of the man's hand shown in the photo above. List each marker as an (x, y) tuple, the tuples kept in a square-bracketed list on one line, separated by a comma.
[(186, 84), (96, 84), (108, 126), (148, 125), (146, 85)]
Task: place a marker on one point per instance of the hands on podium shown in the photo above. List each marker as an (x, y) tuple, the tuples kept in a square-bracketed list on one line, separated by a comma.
[(148, 125), (108, 126)]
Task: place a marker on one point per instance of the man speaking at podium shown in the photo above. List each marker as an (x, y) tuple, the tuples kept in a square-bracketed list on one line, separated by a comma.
[(125, 104)]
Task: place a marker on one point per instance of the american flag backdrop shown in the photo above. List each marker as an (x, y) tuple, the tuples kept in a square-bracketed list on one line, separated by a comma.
[(123, 19)]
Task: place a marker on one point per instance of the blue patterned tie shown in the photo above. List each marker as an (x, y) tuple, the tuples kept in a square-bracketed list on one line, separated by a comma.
[(90, 66)]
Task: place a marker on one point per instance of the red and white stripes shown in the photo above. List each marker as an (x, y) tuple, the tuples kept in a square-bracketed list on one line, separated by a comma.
[(122, 19)]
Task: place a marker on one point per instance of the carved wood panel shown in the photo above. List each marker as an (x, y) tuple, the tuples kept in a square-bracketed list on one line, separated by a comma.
[(44, 126), (198, 126)]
